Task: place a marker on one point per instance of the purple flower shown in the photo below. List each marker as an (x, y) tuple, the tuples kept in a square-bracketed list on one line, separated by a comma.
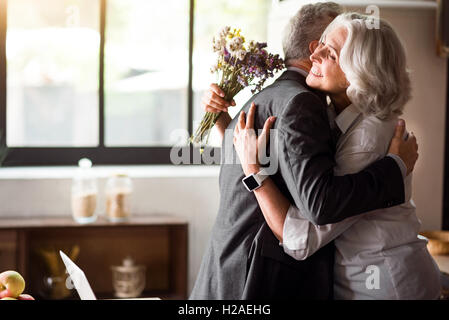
[(242, 80), (261, 45)]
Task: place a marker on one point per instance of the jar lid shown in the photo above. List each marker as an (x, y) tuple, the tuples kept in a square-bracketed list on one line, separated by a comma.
[(85, 163)]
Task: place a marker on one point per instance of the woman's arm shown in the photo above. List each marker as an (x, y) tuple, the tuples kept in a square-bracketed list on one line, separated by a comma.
[(272, 202), (300, 238), (274, 206), (222, 123), (212, 101)]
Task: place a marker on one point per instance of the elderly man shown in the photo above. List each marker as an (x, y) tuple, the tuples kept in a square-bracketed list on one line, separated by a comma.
[(244, 259)]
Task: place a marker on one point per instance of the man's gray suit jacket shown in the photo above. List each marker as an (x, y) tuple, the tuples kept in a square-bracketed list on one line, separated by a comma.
[(244, 259)]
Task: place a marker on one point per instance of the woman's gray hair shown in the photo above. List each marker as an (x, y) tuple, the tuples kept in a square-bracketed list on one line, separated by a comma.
[(374, 62), (306, 26)]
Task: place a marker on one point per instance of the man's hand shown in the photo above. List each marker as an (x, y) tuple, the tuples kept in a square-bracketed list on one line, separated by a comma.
[(406, 149)]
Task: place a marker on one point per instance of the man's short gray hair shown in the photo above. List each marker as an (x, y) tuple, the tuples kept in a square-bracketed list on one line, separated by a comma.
[(306, 26), (375, 65)]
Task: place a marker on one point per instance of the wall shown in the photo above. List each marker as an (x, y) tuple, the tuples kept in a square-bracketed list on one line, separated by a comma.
[(425, 113)]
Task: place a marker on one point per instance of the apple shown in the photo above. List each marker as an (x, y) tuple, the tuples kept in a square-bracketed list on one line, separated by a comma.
[(8, 298), (12, 284), (25, 296)]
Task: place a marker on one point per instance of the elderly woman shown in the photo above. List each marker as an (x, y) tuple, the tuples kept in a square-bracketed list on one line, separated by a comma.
[(379, 255)]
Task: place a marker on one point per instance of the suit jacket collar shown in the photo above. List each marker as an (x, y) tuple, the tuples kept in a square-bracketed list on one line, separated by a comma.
[(293, 75), (296, 76)]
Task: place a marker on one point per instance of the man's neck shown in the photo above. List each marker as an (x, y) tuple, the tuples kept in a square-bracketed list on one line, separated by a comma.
[(300, 64), (340, 102)]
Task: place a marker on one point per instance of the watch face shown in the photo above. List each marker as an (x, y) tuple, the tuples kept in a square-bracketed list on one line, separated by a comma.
[(250, 182)]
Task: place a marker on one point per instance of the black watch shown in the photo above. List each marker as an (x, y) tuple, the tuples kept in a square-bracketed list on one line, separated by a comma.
[(254, 180)]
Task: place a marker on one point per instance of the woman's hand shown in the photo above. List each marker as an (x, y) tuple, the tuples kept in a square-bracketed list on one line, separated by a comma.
[(247, 144), (212, 100)]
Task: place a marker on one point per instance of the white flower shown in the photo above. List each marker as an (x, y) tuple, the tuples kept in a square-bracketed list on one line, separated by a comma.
[(238, 41), (224, 32), (215, 45), (252, 45), (235, 44), (218, 44), (241, 54)]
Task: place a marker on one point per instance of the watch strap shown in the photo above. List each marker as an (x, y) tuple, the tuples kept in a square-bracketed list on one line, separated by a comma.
[(261, 176)]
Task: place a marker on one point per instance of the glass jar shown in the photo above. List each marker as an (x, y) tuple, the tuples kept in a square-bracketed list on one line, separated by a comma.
[(84, 193), (118, 197), (128, 280)]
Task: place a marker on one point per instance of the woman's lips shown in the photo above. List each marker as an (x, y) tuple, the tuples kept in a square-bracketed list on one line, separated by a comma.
[(316, 72)]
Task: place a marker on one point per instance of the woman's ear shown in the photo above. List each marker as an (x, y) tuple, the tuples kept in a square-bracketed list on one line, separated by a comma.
[(313, 45)]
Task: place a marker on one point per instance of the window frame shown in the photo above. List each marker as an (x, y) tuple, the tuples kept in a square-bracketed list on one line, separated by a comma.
[(100, 155)]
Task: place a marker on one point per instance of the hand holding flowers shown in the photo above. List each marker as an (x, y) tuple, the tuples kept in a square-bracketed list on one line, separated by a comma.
[(238, 65), (213, 101)]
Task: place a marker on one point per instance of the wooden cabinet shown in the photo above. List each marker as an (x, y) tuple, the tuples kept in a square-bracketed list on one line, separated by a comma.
[(158, 242)]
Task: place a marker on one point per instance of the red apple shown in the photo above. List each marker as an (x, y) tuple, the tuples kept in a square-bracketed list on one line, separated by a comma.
[(12, 284), (25, 296)]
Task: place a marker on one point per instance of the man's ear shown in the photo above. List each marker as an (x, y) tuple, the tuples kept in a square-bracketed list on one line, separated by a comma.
[(313, 45)]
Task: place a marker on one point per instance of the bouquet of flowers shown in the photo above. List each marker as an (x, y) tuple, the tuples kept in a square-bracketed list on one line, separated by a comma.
[(239, 65)]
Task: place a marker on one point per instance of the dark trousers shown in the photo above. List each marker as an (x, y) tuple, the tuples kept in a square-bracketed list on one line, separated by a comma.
[(272, 274)]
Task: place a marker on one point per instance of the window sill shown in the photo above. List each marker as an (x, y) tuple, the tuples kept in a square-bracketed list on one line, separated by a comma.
[(134, 171)]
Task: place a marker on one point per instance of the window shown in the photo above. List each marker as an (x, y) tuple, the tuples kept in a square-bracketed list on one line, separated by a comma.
[(52, 50), (146, 71), (112, 80), (210, 16)]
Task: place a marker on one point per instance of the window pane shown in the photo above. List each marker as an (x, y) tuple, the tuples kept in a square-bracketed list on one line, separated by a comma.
[(146, 71), (52, 52), (251, 16)]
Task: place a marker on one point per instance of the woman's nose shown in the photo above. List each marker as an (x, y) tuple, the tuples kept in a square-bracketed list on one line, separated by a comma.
[(318, 53), (315, 56)]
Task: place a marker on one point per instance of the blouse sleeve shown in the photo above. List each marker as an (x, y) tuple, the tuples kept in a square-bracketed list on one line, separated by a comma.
[(301, 238)]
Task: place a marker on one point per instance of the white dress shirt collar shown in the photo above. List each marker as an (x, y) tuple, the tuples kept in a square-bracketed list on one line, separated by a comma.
[(347, 117)]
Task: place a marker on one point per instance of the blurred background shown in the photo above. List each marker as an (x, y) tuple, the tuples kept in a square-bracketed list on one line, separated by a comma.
[(53, 50), (120, 81)]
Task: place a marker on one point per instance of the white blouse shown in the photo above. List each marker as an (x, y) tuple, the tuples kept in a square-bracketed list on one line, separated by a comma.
[(379, 255)]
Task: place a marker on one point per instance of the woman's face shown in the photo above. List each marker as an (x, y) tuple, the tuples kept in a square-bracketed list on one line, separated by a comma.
[(326, 74)]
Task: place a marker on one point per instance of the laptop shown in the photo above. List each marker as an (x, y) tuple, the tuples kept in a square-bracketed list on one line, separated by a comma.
[(80, 282), (78, 278)]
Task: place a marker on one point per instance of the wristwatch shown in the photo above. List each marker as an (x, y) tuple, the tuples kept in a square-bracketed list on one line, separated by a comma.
[(254, 180)]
